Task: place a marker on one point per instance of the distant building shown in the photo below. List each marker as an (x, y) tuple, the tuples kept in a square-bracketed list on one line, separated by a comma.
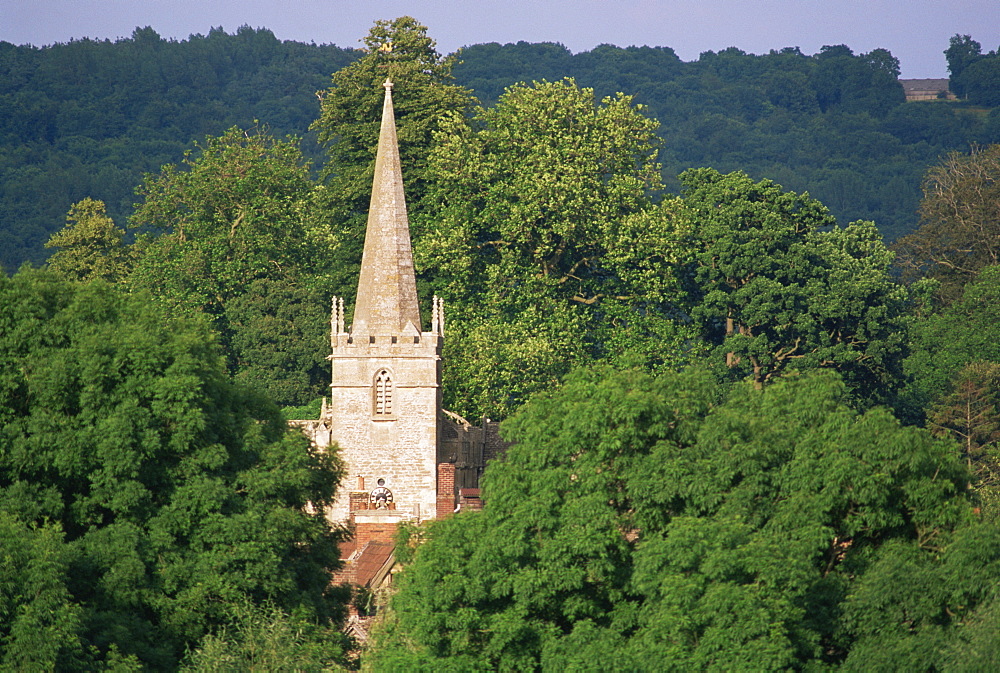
[(926, 89)]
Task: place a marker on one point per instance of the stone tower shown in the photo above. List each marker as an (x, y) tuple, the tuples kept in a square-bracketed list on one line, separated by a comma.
[(385, 396)]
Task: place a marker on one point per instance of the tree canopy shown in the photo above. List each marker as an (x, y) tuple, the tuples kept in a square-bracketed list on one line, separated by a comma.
[(777, 286), (234, 239), (663, 523), (960, 221), (145, 493), (537, 232), (90, 245), (425, 94), (88, 118)]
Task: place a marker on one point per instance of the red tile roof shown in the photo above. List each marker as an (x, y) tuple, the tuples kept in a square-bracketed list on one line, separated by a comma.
[(373, 562)]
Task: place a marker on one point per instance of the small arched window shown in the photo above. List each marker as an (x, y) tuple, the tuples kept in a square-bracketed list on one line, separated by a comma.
[(383, 393)]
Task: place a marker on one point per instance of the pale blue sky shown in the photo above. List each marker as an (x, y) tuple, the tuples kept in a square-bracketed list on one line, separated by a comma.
[(915, 31)]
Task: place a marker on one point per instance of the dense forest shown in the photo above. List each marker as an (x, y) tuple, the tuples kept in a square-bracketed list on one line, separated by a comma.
[(89, 118), (747, 434)]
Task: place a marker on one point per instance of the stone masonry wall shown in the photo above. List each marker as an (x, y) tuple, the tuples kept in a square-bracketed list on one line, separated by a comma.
[(400, 447)]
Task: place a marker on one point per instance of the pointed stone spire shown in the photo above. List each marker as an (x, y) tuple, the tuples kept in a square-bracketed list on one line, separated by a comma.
[(387, 289)]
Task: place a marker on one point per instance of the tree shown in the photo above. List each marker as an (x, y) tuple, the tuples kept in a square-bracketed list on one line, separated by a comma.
[(929, 606), (151, 491), (502, 588), (665, 523), (91, 117), (971, 414), (776, 291), (40, 625), (945, 342), (264, 638), (90, 245), (423, 96), (864, 83), (234, 236), (278, 333), (960, 221), (982, 81), (962, 52), (540, 227)]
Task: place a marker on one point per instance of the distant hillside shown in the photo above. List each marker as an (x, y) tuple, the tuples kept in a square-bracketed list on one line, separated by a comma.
[(88, 118), (834, 124)]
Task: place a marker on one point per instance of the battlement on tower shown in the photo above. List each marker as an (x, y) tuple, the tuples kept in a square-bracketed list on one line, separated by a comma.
[(406, 341)]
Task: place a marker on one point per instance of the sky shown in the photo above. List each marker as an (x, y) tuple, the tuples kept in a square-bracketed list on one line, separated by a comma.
[(915, 31)]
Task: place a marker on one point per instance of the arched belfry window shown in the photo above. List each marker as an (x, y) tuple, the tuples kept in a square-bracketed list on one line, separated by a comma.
[(383, 393)]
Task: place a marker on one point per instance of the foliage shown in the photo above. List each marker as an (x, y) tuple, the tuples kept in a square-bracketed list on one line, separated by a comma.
[(89, 117), (943, 343), (662, 523), (278, 335), (348, 126), (90, 245), (920, 611), (264, 638), (532, 187), (951, 378), (960, 215), (231, 213), (40, 625), (962, 52), (866, 83), (540, 239), (306, 411), (777, 290), (971, 414), (149, 492), (862, 153), (237, 245)]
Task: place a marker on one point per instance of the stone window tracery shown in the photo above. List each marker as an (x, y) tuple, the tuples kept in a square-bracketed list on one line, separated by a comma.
[(383, 393)]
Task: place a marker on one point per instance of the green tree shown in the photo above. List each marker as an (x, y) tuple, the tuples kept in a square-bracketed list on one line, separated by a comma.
[(982, 81), (90, 117), (951, 378), (962, 52), (540, 233), (777, 289), (264, 638), (960, 221), (424, 95), (971, 414), (945, 342), (279, 335), (90, 245), (167, 492), (864, 83), (236, 243), (663, 523), (927, 604), (40, 625)]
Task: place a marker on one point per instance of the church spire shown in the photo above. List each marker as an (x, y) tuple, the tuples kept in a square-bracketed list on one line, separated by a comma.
[(387, 289)]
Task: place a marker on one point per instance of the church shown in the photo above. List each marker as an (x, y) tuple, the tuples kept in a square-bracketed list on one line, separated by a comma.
[(407, 459)]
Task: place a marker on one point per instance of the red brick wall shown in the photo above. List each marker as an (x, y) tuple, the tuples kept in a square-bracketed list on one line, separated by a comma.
[(445, 490), (358, 500), (366, 532), (346, 574)]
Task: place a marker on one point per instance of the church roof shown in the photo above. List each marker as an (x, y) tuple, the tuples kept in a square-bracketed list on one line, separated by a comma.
[(374, 563), (387, 289)]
